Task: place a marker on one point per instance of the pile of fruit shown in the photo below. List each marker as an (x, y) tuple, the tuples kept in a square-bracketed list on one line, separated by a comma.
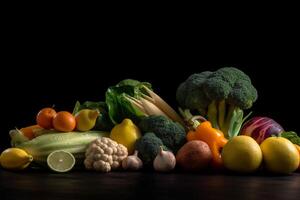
[(135, 129)]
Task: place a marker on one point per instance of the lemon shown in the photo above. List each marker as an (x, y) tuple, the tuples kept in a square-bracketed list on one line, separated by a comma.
[(15, 159), (280, 155), (242, 154), (60, 161), (126, 133)]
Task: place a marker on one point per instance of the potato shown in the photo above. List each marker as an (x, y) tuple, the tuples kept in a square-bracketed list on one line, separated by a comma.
[(194, 156)]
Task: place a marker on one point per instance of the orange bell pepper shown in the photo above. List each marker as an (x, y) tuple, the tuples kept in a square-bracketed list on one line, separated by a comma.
[(204, 131), (213, 137)]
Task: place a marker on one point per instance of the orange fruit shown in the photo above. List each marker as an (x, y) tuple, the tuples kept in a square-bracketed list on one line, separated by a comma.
[(44, 118), (64, 121)]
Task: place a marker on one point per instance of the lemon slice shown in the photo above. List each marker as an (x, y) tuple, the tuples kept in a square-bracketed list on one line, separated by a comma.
[(61, 161)]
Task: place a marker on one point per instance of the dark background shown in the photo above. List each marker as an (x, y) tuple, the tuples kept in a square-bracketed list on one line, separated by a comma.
[(57, 56), (56, 61)]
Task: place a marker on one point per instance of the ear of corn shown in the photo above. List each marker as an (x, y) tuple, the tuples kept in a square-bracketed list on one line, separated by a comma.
[(40, 147)]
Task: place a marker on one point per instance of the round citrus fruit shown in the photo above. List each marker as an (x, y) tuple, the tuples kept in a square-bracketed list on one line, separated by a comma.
[(280, 155), (242, 154), (44, 118), (61, 161), (298, 148), (64, 121)]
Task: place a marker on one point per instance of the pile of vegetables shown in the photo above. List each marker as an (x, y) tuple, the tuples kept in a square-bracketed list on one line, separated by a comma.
[(133, 128)]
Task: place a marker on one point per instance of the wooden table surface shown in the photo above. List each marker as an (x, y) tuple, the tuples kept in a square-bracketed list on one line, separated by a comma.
[(146, 185)]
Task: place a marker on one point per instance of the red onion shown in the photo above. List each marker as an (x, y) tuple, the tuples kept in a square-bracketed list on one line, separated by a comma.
[(261, 128)]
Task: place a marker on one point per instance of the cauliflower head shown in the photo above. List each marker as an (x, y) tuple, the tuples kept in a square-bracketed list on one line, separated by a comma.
[(104, 155)]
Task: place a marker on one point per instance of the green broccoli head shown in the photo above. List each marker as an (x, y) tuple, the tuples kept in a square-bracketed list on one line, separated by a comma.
[(189, 93), (199, 90), (148, 146), (231, 84), (172, 134), (218, 94)]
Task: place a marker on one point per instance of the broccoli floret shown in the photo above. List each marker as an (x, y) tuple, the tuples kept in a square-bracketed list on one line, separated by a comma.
[(171, 133), (189, 92), (243, 95), (148, 146), (231, 84), (221, 96)]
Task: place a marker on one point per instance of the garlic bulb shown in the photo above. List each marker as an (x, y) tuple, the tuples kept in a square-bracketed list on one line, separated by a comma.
[(132, 162), (164, 161)]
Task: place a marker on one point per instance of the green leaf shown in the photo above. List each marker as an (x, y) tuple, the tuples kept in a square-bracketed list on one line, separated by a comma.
[(118, 106), (76, 107), (128, 82), (292, 136)]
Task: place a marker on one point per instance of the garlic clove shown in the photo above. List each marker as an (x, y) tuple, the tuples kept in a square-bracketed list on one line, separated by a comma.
[(132, 162), (165, 161)]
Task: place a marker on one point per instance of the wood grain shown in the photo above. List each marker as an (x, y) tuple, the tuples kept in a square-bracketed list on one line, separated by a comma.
[(147, 185)]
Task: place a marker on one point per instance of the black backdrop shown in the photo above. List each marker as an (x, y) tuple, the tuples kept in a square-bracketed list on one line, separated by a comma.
[(57, 65)]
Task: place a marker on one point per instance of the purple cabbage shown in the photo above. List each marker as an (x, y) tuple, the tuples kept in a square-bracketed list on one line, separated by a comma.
[(260, 128)]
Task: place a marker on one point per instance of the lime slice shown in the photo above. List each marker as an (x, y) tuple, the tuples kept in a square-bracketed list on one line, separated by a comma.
[(60, 161)]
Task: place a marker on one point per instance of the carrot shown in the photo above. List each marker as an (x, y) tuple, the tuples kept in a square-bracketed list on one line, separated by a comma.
[(30, 131)]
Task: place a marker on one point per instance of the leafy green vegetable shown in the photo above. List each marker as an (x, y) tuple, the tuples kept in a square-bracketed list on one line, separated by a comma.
[(292, 136), (103, 121), (119, 106)]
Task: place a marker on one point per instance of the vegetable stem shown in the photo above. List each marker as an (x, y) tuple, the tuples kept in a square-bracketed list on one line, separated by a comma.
[(228, 120), (151, 108), (164, 106), (148, 98), (221, 114), (191, 121), (212, 114), (236, 122), (137, 104)]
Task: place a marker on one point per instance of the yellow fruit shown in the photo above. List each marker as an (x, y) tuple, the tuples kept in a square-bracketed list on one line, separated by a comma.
[(15, 159), (86, 119), (126, 133), (298, 148), (242, 154), (280, 155)]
